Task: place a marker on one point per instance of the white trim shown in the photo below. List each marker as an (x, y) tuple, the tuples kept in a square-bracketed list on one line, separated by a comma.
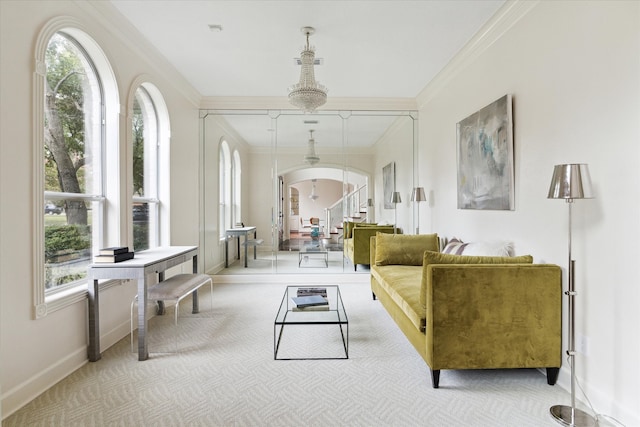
[(121, 29), (505, 18), (282, 103), (44, 304)]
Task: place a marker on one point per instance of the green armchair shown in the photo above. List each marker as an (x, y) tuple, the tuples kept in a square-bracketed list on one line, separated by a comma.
[(357, 237)]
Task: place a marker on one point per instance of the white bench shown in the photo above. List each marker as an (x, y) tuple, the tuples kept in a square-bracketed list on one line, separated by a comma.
[(255, 243), (175, 288)]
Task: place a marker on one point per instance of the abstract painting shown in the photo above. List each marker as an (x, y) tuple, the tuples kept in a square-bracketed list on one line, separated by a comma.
[(388, 184), (485, 158)]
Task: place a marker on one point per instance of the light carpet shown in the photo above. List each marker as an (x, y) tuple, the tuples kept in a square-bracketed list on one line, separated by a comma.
[(221, 372)]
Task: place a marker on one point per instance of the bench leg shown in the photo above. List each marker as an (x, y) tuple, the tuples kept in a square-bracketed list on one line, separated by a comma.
[(196, 305)]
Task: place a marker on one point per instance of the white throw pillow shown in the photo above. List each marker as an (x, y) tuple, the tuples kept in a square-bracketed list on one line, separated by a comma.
[(496, 248)]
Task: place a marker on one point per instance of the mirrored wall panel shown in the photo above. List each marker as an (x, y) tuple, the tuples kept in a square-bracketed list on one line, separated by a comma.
[(278, 187)]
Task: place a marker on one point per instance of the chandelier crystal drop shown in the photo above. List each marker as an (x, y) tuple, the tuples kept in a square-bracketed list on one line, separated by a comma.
[(307, 94), (311, 157)]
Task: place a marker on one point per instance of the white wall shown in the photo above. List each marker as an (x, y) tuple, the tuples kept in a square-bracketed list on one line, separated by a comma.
[(573, 70), (396, 146), (35, 354)]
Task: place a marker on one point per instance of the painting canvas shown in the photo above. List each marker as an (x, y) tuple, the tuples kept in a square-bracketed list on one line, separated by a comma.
[(388, 184), (485, 158)]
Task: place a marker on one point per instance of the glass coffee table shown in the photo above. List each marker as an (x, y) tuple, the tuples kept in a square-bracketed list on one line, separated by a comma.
[(311, 253), (289, 314)]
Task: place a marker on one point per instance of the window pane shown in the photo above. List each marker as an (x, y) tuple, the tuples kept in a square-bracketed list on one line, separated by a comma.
[(141, 226), (138, 147), (73, 141), (67, 249), (145, 171)]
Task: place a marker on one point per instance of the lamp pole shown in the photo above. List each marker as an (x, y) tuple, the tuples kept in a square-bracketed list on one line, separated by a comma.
[(571, 182)]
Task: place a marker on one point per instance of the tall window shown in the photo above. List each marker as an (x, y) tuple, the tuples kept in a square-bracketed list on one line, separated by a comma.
[(73, 141), (237, 188), (225, 188), (145, 171)]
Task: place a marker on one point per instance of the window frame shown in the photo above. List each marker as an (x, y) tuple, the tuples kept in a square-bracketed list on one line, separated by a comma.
[(224, 196), (236, 187), (160, 198), (45, 302)]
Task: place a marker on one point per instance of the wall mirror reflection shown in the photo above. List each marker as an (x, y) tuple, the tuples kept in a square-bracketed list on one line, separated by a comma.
[(278, 186)]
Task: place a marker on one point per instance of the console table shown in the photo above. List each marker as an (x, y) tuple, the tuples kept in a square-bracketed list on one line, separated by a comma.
[(237, 232), (156, 260)]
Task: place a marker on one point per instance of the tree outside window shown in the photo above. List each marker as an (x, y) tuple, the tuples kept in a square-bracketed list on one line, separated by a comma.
[(72, 139), (145, 171)]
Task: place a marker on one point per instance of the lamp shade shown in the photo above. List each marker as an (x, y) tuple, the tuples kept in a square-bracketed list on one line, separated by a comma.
[(395, 197), (571, 181), (417, 195)]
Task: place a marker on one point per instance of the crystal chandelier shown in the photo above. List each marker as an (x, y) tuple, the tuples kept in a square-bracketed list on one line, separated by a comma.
[(307, 94), (311, 157)]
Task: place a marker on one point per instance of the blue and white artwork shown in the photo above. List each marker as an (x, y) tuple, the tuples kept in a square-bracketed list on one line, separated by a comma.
[(485, 158)]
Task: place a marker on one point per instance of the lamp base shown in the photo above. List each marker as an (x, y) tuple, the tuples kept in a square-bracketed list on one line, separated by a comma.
[(562, 414)]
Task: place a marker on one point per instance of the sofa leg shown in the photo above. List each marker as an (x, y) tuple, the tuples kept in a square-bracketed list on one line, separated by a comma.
[(435, 378), (374, 296), (552, 375), (355, 267)]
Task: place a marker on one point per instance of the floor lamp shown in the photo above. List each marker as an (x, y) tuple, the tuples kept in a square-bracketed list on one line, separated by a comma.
[(395, 199), (570, 182), (417, 195)]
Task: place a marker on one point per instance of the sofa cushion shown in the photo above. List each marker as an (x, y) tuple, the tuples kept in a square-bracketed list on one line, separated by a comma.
[(431, 257), (401, 284), (404, 249)]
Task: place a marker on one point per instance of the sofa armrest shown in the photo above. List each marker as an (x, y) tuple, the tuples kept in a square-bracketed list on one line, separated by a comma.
[(493, 316)]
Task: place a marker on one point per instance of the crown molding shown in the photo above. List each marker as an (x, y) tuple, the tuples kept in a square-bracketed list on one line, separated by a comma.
[(282, 103), (120, 28), (505, 18)]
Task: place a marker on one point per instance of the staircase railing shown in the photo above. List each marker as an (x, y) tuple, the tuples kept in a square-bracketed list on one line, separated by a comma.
[(352, 206)]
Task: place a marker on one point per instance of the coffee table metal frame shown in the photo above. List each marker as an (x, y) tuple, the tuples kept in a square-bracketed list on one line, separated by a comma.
[(313, 251), (335, 315)]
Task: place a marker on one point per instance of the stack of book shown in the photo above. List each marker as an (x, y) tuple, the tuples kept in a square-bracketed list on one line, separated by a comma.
[(311, 299), (303, 292), (114, 254)]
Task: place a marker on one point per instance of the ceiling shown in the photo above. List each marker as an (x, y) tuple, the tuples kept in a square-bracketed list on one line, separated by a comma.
[(369, 49)]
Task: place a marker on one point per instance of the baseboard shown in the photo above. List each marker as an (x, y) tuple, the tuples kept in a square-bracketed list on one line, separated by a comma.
[(18, 396), (602, 404), (291, 279)]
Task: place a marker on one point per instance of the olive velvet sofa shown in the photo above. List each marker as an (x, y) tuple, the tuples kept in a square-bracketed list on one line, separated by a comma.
[(469, 312)]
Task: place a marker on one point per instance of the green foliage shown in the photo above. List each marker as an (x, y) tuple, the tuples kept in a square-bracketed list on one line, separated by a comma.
[(138, 146), (141, 235), (66, 78), (65, 237)]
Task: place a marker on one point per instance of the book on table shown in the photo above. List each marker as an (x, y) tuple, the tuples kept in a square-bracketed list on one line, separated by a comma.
[(312, 308), (302, 292), (310, 301), (114, 250), (113, 258)]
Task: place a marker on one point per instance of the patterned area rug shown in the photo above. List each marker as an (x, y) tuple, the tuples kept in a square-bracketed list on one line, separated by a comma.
[(217, 368)]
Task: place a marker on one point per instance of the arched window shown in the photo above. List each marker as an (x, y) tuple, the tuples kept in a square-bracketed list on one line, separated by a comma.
[(237, 188), (225, 188), (76, 114), (147, 141)]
